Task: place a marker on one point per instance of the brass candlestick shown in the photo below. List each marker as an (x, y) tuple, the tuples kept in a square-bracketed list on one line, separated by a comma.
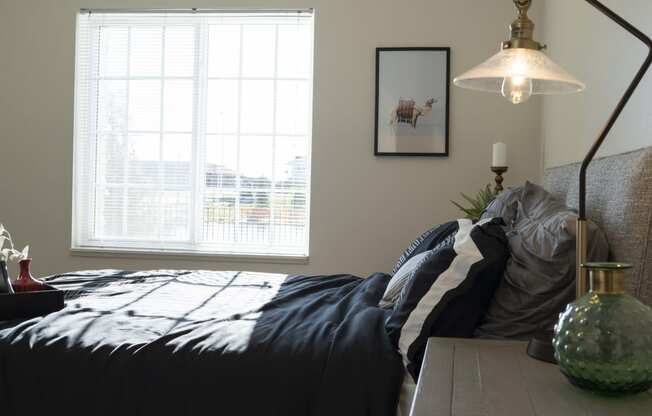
[(499, 170)]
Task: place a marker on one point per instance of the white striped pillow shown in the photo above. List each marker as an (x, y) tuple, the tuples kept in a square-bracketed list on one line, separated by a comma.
[(403, 275), (449, 291)]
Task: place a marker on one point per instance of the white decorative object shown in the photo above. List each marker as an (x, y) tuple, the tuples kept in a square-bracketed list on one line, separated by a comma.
[(10, 253), (499, 158)]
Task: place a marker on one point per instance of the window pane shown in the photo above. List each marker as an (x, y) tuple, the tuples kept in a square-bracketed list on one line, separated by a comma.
[(177, 175), (112, 106), (113, 51), (145, 53), (178, 108), (254, 225), (177, 147), (144, 105), (291, 163), (293, 107), (177, 154), (109, 213), (179, 51), (294, 51), (144, 156), (258, 50), (222, 112), (224, 50), (144, 147), (219, 216), (175, 207), (254, 210), (143, 213), (221, 161), (289, 218), (257, 112), (256, 161), (112, 158)]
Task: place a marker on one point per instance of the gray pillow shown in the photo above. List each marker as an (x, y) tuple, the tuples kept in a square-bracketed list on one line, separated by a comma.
[(539, 278), (504, 205), (538, 203)]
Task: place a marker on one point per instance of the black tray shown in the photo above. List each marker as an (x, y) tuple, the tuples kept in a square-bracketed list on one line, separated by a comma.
[(24, 305)]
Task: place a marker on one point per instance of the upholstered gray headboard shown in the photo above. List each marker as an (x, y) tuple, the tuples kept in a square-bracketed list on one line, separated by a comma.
[(619, 199)]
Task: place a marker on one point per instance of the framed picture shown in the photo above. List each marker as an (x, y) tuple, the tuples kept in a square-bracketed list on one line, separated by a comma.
[(412, 94)]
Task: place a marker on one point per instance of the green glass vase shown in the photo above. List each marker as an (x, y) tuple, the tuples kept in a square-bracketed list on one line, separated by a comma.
[(603, 340)]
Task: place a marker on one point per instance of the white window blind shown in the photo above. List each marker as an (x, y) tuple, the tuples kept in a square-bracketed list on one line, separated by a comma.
[(193, 132)]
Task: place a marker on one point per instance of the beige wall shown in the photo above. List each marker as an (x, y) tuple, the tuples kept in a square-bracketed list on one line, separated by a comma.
[(365, 210), (606, 57)]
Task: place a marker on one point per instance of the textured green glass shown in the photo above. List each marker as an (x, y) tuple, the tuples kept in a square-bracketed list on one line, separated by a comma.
[(603, 343)]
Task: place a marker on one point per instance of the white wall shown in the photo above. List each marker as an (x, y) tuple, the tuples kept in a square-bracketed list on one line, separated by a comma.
[(606, 57), (365, 210)]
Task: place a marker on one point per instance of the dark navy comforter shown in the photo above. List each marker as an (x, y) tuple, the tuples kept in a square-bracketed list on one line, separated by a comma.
[(203, 343)]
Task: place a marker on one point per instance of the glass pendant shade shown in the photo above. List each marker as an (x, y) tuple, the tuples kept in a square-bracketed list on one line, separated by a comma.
[(518, 73)]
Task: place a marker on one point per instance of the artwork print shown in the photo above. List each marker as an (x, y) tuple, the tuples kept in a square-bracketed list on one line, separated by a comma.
[(412, 89)]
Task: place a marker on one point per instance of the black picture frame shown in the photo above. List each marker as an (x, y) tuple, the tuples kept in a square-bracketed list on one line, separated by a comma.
[(446, 117)]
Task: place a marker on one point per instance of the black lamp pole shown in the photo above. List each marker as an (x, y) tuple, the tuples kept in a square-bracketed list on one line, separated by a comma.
[(581, 230), (623, 101)]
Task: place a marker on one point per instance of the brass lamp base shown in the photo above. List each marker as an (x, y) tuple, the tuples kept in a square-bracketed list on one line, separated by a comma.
[(540, 347)]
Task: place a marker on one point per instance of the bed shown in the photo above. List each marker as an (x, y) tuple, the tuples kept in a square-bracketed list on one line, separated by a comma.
[(204, 342)]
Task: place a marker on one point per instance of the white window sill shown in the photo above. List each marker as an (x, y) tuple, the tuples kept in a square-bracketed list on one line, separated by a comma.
[(179, 254)]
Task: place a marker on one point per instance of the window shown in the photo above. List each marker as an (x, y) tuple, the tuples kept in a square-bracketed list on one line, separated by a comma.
[(193, 132)]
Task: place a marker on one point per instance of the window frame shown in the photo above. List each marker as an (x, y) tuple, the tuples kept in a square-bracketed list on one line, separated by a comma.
[(84, 243)]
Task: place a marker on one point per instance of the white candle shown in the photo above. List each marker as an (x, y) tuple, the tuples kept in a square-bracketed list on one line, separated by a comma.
[(499, 155)]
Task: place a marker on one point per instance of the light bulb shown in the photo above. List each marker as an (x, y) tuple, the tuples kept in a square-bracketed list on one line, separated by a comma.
[(517, 89)]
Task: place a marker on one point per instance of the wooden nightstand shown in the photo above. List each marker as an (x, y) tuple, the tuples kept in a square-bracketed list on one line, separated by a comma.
[(467, 377)]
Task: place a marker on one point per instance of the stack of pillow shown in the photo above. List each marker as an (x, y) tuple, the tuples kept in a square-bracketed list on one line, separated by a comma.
[(539, 278), (506, 276), (442, 285)]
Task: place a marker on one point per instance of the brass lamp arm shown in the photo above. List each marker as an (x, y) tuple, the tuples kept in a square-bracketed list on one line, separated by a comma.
[(621, 104)]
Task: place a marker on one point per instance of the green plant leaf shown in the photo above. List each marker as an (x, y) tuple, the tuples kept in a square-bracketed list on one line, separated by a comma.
[(477, 204)]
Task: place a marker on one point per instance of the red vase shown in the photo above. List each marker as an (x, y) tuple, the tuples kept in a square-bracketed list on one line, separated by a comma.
[(25, 281)]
